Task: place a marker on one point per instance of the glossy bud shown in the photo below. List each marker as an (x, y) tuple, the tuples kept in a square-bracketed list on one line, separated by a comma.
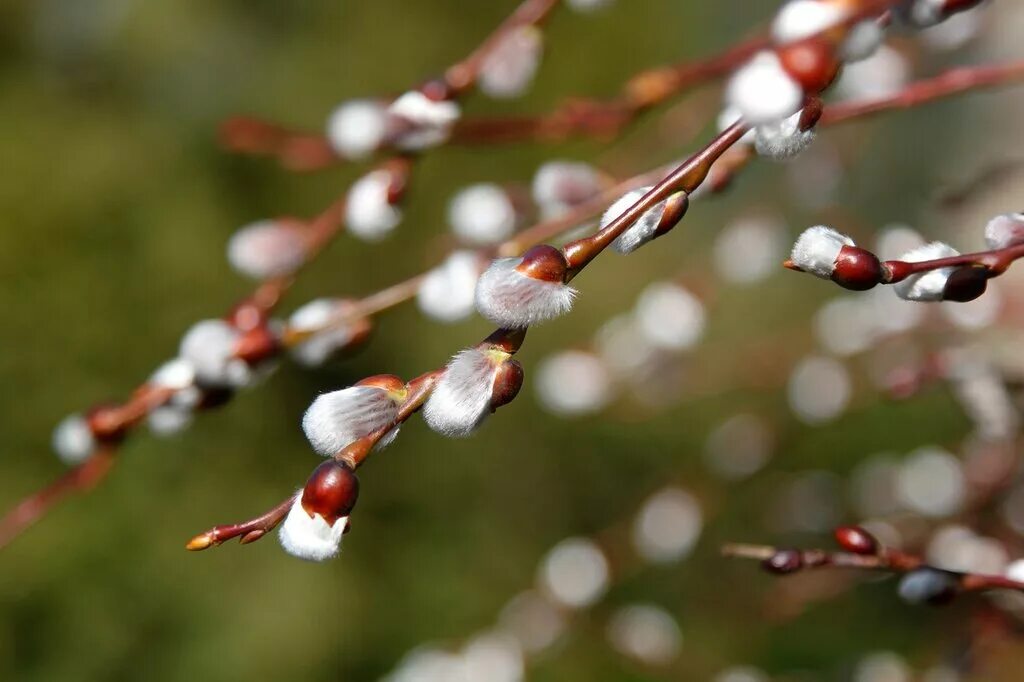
[(966, 284), (857, 269), (545, 263), (783, 562), (856, 540), (331, 491)]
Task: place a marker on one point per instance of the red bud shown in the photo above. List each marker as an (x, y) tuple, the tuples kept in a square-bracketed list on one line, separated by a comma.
[(331, 491), (857, 269)]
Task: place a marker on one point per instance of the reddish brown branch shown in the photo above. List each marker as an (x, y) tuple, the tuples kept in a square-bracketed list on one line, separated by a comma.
[(247, 531), (78, 479), (788, 561)]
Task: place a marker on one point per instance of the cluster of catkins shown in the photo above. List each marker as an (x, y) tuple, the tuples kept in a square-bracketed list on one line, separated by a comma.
[(775, 93), (828, 254)]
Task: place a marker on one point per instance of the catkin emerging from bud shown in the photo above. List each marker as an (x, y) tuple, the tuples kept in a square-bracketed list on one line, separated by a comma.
[(519, 292), (339, 418), (475, 383)]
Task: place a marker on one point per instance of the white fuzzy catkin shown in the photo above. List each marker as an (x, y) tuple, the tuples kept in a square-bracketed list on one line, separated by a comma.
[(509, 69), (369, 214), (1005, 230), (782, 140), (799, 19), (357, 128), (177, 413), (73, 440), (559, 185), (267, 248), (448, 292), (321, 316), (862, 41), (177, 374), (430, 121), (482, 214), (209, 346), (168, 420), (511, 299), (339, 418), (462, 398), (923, 13), (817, 248), (927, 286), (641, 231), (310, 537), (762, 91), (883, 74)]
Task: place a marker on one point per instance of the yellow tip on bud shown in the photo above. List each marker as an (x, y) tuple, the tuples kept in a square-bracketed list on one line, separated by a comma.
[(199, 542)]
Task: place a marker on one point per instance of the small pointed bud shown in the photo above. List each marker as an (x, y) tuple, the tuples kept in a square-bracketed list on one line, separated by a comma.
[(856, 540), (427, 116), (268, 248), (199, 542), (448, 292), (510, 67), (812, 63), (1005, 230), (508, 379), (762, 91), (931, 285), (558, 186), (482, 214), (783, 562), (339, 418), (370, 213), (324, 327), (928, 586), (857, 269), (966, 284), (253, 536), (73, 440), (357, 128), (817, 249), (319, 515), (520, 292), (785, 139), (475, 382)]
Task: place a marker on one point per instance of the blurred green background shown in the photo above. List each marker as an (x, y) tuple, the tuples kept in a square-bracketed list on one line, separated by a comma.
[(117, 204)]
